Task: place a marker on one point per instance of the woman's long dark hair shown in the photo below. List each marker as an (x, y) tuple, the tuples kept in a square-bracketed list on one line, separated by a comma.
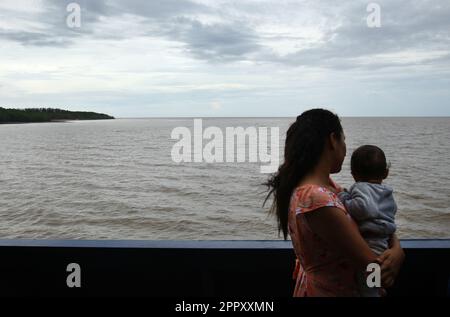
[(305, 143)]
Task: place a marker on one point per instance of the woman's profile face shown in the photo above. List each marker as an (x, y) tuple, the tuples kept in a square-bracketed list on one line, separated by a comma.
[(340, 151)]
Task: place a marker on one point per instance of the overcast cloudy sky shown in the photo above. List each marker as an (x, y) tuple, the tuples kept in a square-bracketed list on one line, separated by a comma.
[(139, 58)]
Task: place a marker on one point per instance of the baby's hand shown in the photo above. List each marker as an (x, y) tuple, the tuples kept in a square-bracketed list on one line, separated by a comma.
[(344, 195), (343, 190)]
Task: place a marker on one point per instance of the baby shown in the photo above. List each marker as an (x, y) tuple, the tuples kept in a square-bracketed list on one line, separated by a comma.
[(370, 202)]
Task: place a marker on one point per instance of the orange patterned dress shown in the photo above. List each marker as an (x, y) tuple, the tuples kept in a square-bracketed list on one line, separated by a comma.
[(319, 270)]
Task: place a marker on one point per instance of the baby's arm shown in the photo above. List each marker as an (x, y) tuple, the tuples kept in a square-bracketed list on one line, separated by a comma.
[(344, 196), (359, 204), (379, 226)]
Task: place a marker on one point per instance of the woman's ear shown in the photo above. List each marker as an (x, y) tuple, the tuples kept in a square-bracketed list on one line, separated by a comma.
[(333, 139)]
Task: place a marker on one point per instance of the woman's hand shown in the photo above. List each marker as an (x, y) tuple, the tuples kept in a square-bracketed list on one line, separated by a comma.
[(391, 261)]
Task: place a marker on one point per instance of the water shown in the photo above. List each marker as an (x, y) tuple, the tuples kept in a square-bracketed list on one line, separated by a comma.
[(116, 180)]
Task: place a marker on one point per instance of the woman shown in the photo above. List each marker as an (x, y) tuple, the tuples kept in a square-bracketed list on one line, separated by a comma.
[(329, 248)]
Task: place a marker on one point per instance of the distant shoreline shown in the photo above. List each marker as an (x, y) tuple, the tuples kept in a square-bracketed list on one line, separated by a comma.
[(40, 115), (54, 121)]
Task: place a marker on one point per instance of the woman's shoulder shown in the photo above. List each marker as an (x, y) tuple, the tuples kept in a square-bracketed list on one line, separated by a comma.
[(313, 191), (335, 186), (309, 197)]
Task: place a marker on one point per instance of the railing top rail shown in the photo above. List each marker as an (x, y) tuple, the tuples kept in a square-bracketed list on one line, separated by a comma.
[(197, 244)]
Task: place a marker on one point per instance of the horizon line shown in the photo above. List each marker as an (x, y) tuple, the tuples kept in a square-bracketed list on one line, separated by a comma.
[(269, 117)]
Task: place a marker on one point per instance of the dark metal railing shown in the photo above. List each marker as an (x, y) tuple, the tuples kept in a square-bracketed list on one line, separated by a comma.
[(188, 268)]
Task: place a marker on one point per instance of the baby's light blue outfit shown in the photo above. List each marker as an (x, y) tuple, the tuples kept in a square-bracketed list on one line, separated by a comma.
[(373, 208)]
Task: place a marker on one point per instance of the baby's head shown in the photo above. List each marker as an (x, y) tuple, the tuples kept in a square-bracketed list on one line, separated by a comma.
[(369, 164)]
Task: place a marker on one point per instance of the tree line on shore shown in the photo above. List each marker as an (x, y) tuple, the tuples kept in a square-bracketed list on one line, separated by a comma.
[(47, 115)]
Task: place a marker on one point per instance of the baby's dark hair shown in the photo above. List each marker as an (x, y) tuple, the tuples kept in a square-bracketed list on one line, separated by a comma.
[(369, 162)]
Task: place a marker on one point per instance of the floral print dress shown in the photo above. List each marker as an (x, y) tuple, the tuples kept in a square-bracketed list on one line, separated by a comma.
[(319, 271)]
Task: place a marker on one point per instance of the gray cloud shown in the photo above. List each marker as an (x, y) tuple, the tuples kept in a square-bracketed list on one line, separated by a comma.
[(159, 10), (220, 42), (33, 38), (54, 30), (406, 26)]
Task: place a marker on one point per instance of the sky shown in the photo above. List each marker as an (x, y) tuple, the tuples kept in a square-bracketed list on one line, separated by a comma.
[(214, 58)]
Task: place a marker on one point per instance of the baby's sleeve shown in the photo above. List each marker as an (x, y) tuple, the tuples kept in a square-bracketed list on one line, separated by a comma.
[(359, 204), (344, 196)]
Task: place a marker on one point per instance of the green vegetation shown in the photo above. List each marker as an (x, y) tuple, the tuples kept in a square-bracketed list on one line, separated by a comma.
[(47, 115)]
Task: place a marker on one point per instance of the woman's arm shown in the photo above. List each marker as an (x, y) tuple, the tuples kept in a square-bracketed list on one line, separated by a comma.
[(333, 226), (391, 261)]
